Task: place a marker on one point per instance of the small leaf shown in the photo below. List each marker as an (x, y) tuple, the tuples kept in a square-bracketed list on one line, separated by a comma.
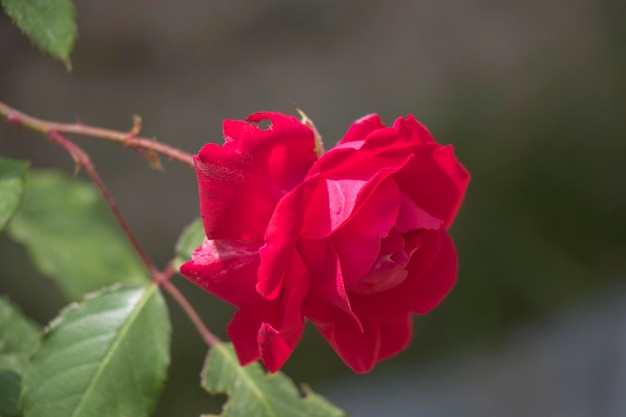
[(71, 235), (49, 24), (9, 394), (12, 175), (18, 337), (105, 357), (189, 240), (253, 392)]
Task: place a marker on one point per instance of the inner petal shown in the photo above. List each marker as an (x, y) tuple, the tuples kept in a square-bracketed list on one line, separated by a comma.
[(389, 269)]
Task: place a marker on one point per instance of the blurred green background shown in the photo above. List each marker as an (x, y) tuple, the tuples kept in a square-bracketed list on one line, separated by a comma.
[(531, 94)]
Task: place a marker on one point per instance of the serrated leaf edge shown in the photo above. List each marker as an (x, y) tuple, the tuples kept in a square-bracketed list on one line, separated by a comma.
[(240, 371)]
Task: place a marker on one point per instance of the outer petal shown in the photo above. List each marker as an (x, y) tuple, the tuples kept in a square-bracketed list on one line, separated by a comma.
[(285, 151), (277, 343), (270, 330), (395, 337), (363, 127), (438, 280), (236, 200), (358, 159), (243, 330), (226, 268), (241, 182), (358, 348), (435, 181)]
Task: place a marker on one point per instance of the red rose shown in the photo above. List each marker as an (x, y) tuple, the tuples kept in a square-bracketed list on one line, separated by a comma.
[(354, 241)]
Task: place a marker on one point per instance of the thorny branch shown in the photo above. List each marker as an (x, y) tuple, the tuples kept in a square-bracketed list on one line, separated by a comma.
[(147, 147)]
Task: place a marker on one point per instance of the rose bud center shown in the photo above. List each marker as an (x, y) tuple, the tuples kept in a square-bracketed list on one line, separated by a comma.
[(389, 268)]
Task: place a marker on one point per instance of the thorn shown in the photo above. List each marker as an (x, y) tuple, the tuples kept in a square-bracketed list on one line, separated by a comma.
[(78, 121), (15, 121), (135, 129), (137, 124), (76, 168)]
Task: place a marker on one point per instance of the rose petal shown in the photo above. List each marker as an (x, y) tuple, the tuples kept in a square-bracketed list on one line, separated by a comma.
[(387, 306), (377, 207), (277, 343), (331, 203), (358, 349), (373, 204), (275, 347), (270, 330), (435, 181), (225, 268), (362, 127), (243, 332), (356, 162), (395, 337), (325, 270), (412, 217), (281, 236), (236, 200), (388, 271), (438, 280), (409, 127), (241, 182), (285, 151), (357, 253)]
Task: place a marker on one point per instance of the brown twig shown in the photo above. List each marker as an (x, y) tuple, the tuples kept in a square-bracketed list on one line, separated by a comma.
[(128, 139)]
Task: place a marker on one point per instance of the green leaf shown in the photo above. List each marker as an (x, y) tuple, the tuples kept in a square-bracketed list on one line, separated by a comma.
[(12, 177), (105, 357), (72, 237), (254, 392), (49, 24), (9, 394), (18, 337), (189, 240)]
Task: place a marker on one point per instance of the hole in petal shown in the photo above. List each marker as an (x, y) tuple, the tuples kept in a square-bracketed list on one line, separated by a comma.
[(265, 124)]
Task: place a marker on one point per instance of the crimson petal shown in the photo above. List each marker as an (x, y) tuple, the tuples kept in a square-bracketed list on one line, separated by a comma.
[(358, 349), (363, 127), (281, 235), (435, 181), (395, 337), (241, 182), (225, 268)]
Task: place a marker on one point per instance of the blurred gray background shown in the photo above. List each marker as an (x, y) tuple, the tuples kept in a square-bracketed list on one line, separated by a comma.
[(533, 97)]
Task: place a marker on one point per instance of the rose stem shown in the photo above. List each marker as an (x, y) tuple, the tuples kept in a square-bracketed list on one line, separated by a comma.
[(193, 315), (82, 160), (53, 130), (159, 278), (128, 139)]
